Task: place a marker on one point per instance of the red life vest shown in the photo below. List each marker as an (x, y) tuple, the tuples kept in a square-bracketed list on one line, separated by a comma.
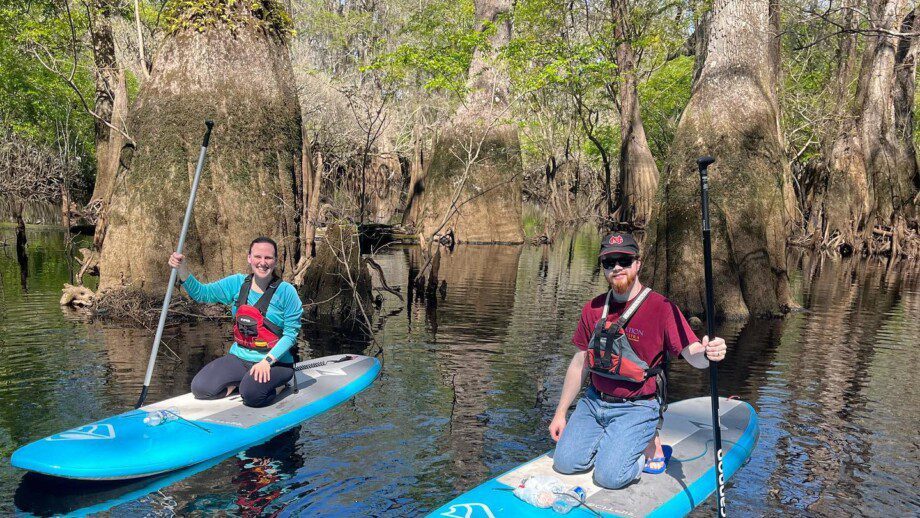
[(251, 329), (609, 352)]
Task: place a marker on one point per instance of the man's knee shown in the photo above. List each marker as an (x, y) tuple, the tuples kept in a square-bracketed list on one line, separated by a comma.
[(617, 474), (567, 461), (611, 482)]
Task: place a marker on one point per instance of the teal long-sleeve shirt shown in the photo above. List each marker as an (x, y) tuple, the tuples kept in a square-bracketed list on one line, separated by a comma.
[(284, 310)]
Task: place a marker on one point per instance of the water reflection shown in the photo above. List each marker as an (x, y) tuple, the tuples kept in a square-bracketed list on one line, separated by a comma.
[(259, 477), (829, 433), (473, 333), (23, 259), (184, 350), (472, 373)]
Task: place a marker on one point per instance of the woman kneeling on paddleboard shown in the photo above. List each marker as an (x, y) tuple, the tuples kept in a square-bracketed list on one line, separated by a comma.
[(266, 319), (625, 338)]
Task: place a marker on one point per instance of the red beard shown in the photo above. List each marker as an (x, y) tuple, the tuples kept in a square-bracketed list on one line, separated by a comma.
[(622, 284)]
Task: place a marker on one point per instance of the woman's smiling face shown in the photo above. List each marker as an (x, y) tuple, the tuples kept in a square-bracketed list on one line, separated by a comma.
[(262, 260)]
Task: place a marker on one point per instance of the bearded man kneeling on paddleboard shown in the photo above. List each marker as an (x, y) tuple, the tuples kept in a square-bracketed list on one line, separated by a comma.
[(625, 338), (266, 319)]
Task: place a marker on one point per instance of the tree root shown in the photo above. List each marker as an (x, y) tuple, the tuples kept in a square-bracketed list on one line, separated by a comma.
[(543, 239), (89, 262), (134, 307), (77, 296), (898, 241)]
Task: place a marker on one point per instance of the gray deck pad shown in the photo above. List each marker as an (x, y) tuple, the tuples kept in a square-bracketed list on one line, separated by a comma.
[(312, 385), (688, 429)]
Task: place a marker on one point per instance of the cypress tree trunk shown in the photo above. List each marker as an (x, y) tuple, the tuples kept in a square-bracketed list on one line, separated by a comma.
[(480, 151), (733, 115), (111, 104), (238, 74), (889, 155), (873, 172), (638, 170), (845, 204), (336, 288)]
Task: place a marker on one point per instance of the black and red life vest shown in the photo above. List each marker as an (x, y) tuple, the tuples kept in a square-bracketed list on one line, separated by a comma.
[(609, 352), (251, 329)]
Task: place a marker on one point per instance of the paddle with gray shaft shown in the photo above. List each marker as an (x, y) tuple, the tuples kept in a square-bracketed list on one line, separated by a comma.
[(704, 163), (174, 272)]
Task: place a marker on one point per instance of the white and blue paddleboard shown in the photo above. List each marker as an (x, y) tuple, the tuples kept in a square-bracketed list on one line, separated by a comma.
[(124, 447), (689, 479)]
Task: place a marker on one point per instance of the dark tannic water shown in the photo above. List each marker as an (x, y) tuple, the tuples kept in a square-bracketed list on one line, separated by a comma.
[(469, 383)]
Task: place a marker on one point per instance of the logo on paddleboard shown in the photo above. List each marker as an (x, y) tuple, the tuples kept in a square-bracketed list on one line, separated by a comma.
[(330, 371), (86, 433), (469, 511), (708, 426)]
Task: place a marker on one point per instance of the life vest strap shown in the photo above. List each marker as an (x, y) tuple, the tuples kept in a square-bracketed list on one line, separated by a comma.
[(262, 304), (631, 310)]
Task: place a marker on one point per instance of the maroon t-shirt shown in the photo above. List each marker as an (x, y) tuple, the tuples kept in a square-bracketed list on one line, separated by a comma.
[(657, 325)]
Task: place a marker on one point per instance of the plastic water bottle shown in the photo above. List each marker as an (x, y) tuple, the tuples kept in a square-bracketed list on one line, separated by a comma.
[(159, 417), (539, 490), (566, 501), (535, 497)]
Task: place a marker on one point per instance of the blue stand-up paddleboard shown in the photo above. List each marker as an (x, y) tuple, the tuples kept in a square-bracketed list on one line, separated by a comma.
[(689, 479), (124, 447)]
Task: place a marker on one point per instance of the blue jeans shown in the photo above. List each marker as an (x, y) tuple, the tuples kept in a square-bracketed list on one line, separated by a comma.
[(608, 436)]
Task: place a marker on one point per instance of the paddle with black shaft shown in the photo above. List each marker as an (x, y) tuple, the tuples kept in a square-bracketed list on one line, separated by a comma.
[(704, 163), (174, 272)]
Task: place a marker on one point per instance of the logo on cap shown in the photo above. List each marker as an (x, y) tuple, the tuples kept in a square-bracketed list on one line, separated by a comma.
[(616, 240)]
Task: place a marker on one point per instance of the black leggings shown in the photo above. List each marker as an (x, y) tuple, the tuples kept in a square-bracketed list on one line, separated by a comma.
[(212, 380)]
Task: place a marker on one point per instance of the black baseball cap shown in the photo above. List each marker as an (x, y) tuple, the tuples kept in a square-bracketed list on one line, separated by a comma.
[(619, 243)]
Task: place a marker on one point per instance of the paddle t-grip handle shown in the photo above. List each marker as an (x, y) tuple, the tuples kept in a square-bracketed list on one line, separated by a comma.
[(207, 134), (704, 162)]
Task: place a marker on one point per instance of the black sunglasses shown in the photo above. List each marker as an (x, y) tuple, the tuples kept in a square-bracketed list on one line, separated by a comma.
[(624, 262)]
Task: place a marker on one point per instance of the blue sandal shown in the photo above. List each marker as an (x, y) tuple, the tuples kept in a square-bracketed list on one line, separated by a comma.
[(667, 451)]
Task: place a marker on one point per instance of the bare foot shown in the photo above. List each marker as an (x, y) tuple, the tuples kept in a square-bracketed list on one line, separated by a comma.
[(652, 451)]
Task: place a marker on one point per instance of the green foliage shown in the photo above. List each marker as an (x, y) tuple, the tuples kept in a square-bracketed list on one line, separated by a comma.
[(201, 15), (546, 52), (579, 66), (808, 76), (351, 38), (563, 60), (439, 40), (132, 85), (609, 137), (534, 220), (36, 103), (662, 98)]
